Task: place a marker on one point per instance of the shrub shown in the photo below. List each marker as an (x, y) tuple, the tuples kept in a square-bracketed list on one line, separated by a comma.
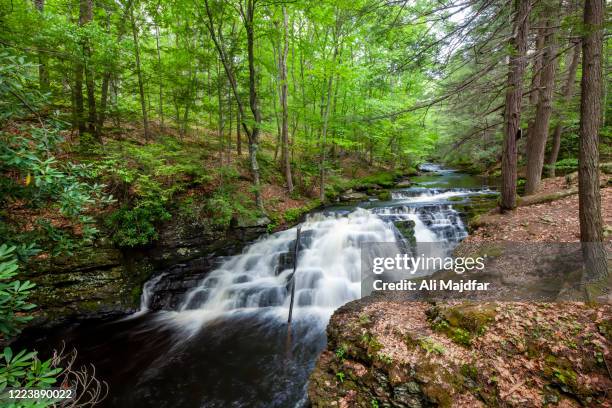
[(22, 369), (567, 165), (131, 227)]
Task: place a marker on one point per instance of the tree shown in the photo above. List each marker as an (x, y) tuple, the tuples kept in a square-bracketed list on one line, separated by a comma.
[(282, 65), (589, 199), (85, 16), (572, 62), (536, 142), (43, 70), (145, 119), (512, 112), (247, 13)]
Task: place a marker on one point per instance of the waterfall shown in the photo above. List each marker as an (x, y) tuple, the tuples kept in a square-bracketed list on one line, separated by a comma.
[(328, 268), (147, 292), (327, 275)]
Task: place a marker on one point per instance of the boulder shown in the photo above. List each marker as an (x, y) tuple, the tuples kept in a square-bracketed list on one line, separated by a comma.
[(413, 354), (353, 196), (404, 183)]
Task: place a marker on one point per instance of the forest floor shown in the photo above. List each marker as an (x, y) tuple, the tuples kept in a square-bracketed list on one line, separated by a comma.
[(511, 354), (552, 221)]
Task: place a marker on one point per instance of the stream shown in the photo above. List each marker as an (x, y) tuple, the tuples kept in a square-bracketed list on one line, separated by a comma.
[(227, 344)]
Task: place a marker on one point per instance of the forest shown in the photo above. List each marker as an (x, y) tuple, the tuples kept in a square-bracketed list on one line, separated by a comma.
[(143, 143)]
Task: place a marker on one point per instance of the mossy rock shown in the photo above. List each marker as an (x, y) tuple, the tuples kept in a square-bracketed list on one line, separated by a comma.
[(384, 195), (406, 228), (462, 323), (471, 317)]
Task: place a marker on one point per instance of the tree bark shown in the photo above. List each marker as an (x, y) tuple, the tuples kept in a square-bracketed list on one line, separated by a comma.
[(253, 100), (537, 67), (103, 102), (573, 59), (238, 135), (107, 77), (589, 199), (145, 119), (536, 77), (284, 103), (90, 84), (512, 112), (43, 71), (536, 142), (85, 15), (160, 77)]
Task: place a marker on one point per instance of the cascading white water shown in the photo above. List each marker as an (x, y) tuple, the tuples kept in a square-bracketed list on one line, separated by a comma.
[(328, 270), (327, 274), (147, 292)]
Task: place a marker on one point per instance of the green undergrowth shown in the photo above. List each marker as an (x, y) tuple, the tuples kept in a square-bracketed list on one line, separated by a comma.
[(156, 180)]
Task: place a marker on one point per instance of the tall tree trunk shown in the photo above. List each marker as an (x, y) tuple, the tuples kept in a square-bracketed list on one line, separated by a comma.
[(536, 142), (85, 14), (103, 102), (238, 135), (284, 102), (536, 77), (324, 130), (43, 71), (573, 59), (220, 119), (90, 84), (589, 199), (537, 66), (160, 77), (145, 119), (229, 130), (107, 78), (512, 112), (79, 109), (254, 102)]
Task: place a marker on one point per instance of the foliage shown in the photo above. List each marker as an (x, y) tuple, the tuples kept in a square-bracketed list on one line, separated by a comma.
[(136, 226), (567, 165), (25, 370), (13, 293), (22, 369), (34, 181)]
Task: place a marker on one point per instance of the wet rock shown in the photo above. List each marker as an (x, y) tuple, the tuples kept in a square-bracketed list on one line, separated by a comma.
[(351, 195), (285, 261), (101, 281), (384, 195), (406, 228), (404, 183)]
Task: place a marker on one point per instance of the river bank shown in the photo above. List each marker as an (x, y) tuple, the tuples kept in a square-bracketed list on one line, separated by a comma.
[(401, 351)]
